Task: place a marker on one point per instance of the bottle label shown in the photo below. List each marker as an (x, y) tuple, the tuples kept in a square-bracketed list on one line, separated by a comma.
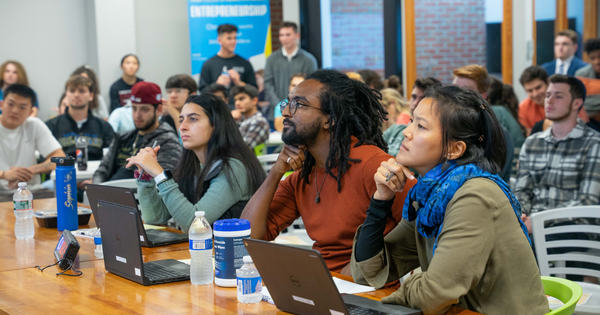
[(22, 205), (247, 286), (201, 244), (229, 254)]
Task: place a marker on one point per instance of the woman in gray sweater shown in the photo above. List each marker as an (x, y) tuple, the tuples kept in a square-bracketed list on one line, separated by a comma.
[(217, 172), (461, 222)]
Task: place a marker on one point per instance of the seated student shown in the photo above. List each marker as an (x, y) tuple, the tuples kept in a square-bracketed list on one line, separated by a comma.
[(121, 119), (501, 94), (218, 91), (393, 82), (78, 121), (120, 91), (20, 137), (461, 223), (253, 126), (565, 47), (592, 48), (179, 88), (372, 79), (98, 105), (63, 103), (296, 79), (531, 110), (475, 77), (13, 72), (559, 167), (147, 107), (394, 135), (398, 109), (332, 136), (217, 172)]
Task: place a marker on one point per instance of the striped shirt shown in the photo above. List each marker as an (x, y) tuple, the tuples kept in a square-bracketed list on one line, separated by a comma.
[(559, 173)]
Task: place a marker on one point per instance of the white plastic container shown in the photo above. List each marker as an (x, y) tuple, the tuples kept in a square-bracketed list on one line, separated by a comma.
[(229, 249)]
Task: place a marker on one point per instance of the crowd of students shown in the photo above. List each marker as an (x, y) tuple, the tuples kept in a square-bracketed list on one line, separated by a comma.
[(384, 185)]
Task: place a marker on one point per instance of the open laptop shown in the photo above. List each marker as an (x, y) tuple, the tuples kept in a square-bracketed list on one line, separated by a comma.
[(125, 197), (300, 283), (123, 253)]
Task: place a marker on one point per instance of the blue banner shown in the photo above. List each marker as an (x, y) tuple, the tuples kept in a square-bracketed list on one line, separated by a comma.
[(252, 18)]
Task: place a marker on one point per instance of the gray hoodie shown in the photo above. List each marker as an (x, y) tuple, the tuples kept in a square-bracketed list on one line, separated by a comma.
[(168, 155)]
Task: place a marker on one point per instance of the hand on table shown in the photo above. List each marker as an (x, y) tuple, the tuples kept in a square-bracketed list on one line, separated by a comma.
[(18, 174)]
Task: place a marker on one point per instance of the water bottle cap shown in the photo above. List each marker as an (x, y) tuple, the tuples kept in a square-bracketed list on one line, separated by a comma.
[(200, 213), (97, 240), (232, 225), (22, 184), (247, 259)]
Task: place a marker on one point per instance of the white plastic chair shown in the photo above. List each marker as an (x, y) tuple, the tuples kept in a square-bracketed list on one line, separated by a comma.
[(559, 269), (267, 161)]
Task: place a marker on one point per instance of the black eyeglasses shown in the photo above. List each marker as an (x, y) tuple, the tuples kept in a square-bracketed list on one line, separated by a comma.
[(294, 106)]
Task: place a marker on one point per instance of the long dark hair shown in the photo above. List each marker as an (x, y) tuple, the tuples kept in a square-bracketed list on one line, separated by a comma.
[(355, 110), (504, 95), (92, 76), (225, 143), (465, 116)]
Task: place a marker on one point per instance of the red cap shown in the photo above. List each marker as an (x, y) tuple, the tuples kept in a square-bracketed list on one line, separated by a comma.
[(146, 93)]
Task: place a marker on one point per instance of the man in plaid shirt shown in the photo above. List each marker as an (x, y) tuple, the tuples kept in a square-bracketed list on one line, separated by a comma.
[(253, 125), (560, 167)]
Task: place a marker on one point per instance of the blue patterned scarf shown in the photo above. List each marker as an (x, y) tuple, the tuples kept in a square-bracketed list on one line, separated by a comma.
[(434, 191)]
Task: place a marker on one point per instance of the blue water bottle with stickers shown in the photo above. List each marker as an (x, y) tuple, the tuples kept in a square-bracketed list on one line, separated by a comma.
[(66, 193), (201, 245)]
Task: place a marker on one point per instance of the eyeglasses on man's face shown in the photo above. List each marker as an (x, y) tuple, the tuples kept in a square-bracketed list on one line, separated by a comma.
[(294, 105)]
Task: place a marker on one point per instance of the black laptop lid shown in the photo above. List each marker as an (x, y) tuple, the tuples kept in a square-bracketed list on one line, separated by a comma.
[(117, 195), (120, 241), (298, 279)]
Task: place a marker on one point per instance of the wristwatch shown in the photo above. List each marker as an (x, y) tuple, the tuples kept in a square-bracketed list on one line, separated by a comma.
[(164, 176)]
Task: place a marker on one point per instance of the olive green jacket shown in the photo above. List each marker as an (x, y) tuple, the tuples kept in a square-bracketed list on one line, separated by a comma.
[(483, 261)]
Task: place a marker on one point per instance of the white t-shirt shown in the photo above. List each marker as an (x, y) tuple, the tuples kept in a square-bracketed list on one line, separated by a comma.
[(17, 147)]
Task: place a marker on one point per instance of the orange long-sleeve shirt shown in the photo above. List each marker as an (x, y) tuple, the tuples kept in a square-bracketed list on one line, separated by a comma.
[(333, 221)]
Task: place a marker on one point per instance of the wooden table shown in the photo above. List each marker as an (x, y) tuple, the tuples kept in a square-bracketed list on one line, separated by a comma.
[(26, 290)]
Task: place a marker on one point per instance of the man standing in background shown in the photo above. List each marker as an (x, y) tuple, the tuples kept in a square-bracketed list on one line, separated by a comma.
[(283, 63), (227, 68)]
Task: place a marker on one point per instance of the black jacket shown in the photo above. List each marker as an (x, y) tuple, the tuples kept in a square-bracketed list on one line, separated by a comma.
[(98, 132)]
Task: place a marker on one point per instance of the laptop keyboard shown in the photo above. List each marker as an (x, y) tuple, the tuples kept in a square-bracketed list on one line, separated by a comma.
[(158, 272), (359, 310)]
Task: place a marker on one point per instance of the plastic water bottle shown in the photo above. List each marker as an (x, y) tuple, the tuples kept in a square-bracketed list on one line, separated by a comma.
[(249, 283), (224, 72), (98, 242), (201, 245), (23, 208), (81, 146)]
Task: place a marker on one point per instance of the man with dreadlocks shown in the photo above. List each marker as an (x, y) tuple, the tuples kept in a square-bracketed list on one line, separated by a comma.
[(333, 142)]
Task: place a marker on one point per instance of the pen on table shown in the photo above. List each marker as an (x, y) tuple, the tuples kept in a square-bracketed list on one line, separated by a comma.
[(153, 146)]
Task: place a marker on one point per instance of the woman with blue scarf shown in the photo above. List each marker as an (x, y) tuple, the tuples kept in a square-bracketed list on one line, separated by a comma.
[(461, 222)]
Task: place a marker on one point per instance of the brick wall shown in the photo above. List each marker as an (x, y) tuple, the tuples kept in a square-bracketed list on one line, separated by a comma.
[(276, 20), (357, 35), (449, 35)]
